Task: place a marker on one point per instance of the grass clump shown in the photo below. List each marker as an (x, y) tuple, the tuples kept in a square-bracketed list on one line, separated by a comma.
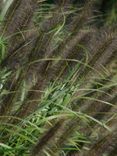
[(58, 80)]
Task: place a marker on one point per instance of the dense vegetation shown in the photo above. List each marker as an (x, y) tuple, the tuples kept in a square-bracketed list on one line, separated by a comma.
[(58, 78)]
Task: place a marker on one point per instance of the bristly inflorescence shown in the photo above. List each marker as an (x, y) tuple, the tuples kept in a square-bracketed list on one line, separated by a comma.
[(58, 79)]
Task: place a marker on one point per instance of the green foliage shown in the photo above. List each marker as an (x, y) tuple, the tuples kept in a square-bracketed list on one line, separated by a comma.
[(2, 48), (68, 96)]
